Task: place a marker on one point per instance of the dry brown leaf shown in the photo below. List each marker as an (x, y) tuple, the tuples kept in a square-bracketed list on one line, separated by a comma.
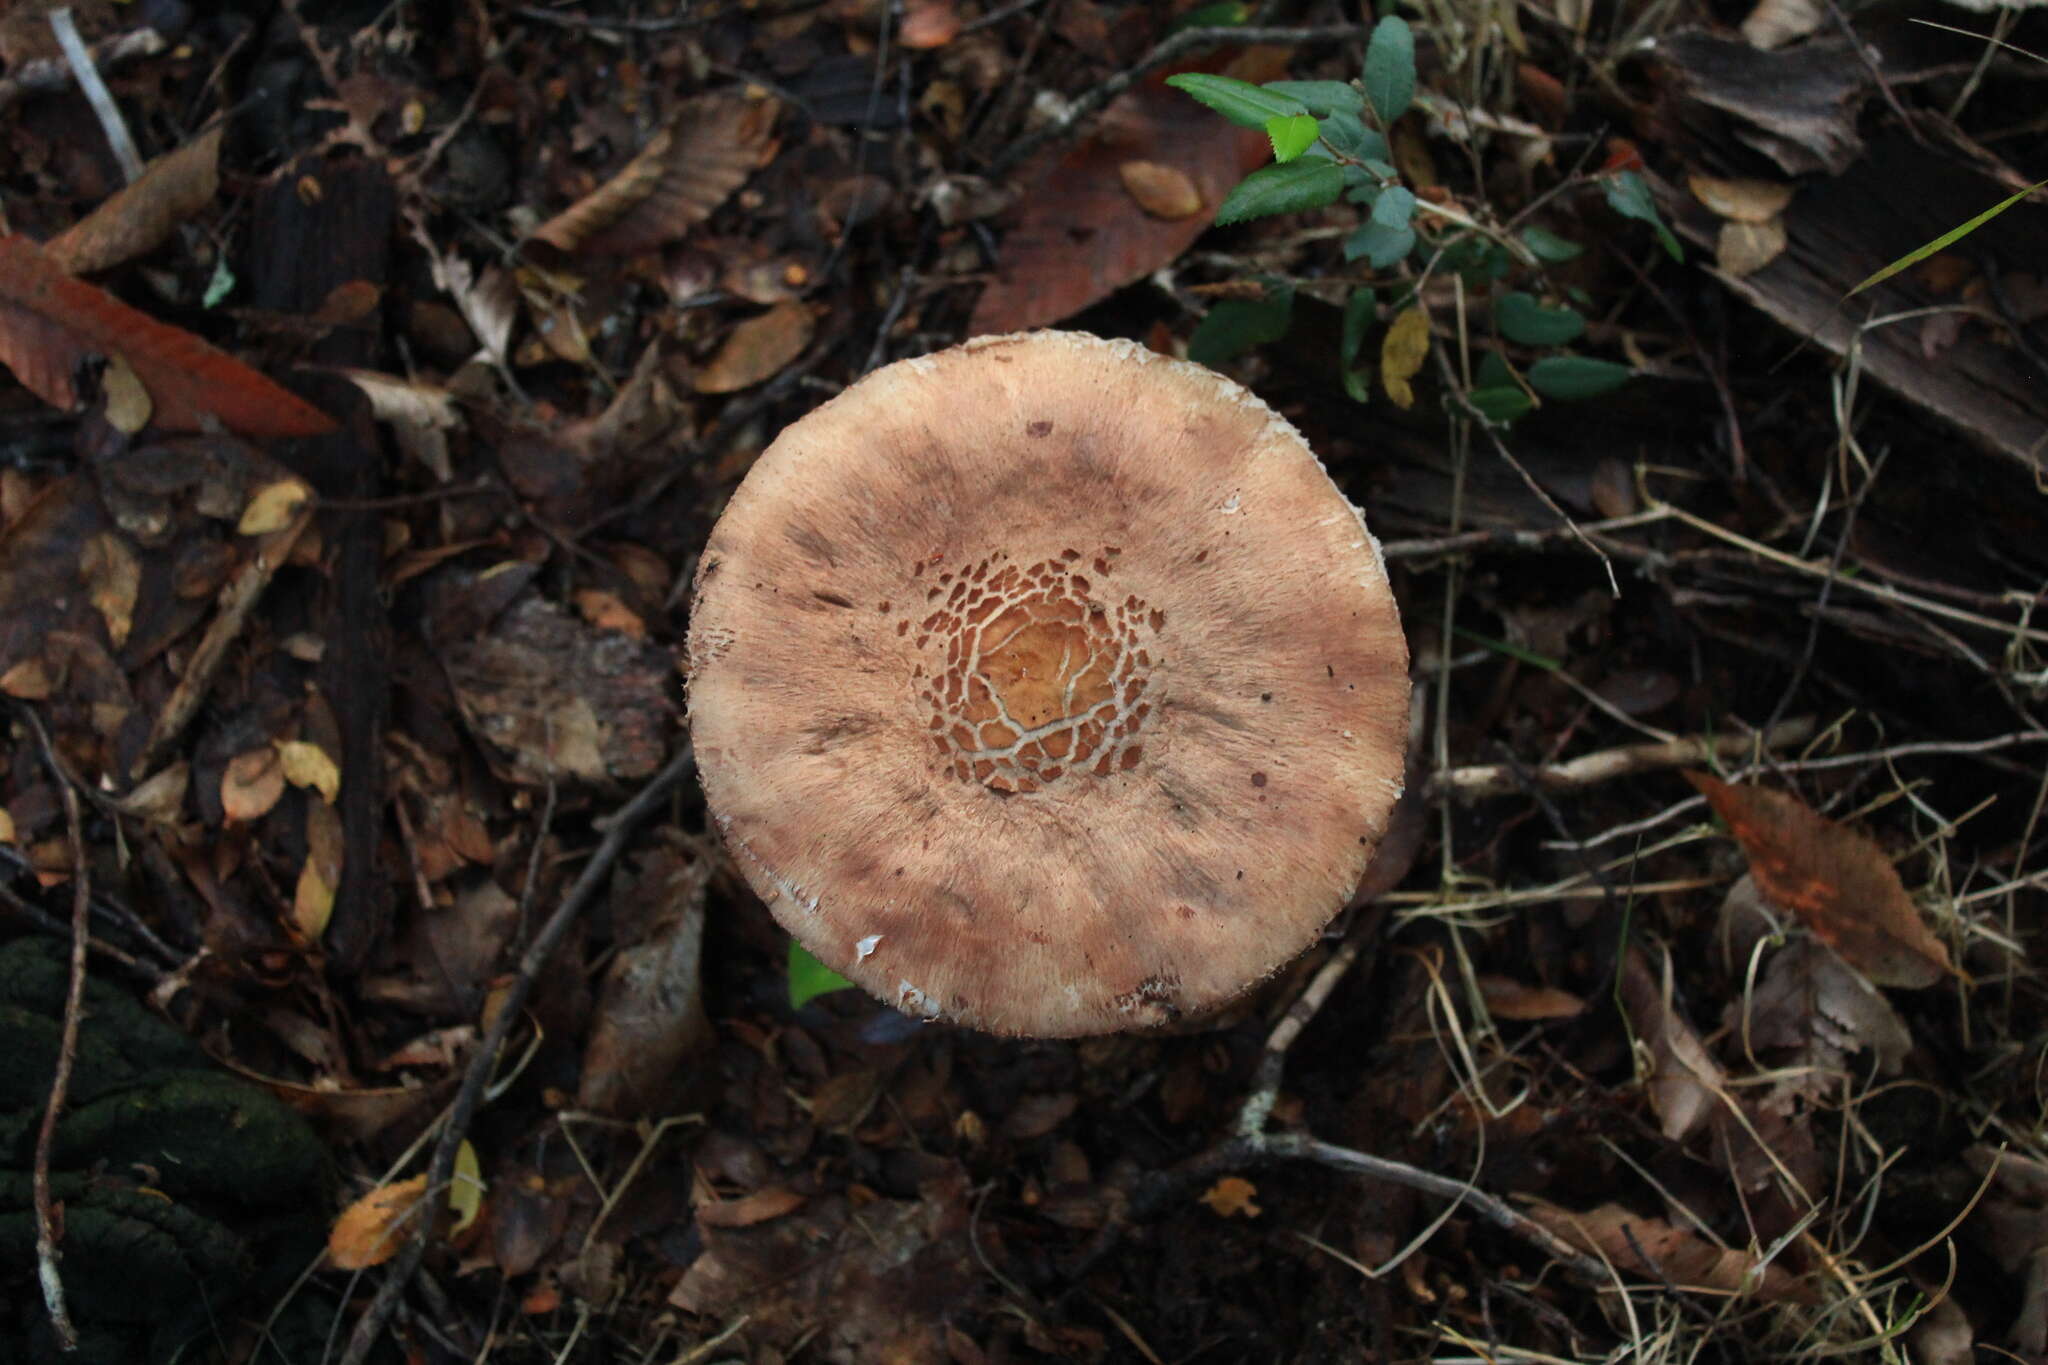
[(650, 1018), (113, 577), (371, 1230), (138, 218), (1079, 237), (1507, 998), (605, 611), (758, 348), (1743, 201), (746, 1211), (1684, 1083), (1836, 880), (251, 784), (1651, 1248), (704, 153), (1774, 23), (1162, 191), (1744, 248), (51, 324), (929, 23), (1231, 1197)]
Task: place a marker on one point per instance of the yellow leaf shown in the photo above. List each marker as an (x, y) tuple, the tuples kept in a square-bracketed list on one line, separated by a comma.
[(313, 900), (272, 507), (466, 1190), (371, 1230), (306, 764), (128, 403), (1231, 1197), (6, 826), (1402, 353)]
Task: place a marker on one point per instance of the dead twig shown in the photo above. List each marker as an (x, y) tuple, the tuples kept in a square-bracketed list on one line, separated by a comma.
[(49, 74), (237, 600), (1608, 765), (618, 828), (67, 1052), (1265, 1091)]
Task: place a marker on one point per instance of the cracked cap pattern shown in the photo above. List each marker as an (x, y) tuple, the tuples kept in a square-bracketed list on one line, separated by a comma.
[(1047, 685)]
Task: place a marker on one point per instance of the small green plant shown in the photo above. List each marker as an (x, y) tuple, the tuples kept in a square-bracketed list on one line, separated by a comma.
[(810, 978), (1330, 143)]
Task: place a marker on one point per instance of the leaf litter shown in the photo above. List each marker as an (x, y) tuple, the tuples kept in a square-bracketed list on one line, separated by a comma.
[(631, 252)]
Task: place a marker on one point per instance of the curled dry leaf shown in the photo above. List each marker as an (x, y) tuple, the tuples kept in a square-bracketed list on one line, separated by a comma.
[(1741, 201), (1651, 1248), (136, 219), (273, 507), (50, 324), (320, 875), (757, 348), (1162, 191), (371, 1230), (701, 155), (746, 1211), (1684, 1083), (1744, 248), (306, 764), (251, 784), (1836, 880)]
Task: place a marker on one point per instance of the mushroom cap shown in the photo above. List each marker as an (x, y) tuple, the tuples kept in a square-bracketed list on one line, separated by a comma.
[(1047, 685)]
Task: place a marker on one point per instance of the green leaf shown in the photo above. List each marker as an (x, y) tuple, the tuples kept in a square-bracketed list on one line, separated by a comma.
[(1576, 376), (1239, 101), (1291, 136), (1529, 323), (1234, 326), (1629, 196), (1953, 235), (1298, 185), (1550, 248), (1321, 98), (1358, 383), (810, 978), (1344, 132), (1501, 403), (221, 284), (1493, 371), (1390, 69), (1361, 311), (1395, 208), (1379, 244)]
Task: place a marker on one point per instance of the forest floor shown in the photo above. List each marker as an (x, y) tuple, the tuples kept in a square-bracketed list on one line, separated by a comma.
[(1687, 1013)]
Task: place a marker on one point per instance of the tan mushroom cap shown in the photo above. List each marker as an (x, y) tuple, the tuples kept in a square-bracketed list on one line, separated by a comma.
[(1047, 685)]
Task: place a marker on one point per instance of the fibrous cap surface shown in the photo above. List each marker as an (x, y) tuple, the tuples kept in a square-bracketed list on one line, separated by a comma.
[(1047, 685)]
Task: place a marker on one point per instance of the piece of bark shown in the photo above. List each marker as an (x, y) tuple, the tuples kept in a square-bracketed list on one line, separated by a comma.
[(300, 252)]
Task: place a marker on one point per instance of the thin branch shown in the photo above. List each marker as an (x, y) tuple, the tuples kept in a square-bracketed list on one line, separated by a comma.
[(618, 828), (67, 1052), (1608, 765)]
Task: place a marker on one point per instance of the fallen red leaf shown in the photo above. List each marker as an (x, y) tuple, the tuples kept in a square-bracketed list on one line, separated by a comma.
[(51, 323), (1836, 880), (1081, 234)]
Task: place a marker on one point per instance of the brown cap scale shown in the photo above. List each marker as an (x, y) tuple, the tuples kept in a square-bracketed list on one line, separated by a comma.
[(1047, 685)]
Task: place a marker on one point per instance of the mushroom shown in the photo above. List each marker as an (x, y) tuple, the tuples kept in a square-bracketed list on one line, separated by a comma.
[(1047, 685)]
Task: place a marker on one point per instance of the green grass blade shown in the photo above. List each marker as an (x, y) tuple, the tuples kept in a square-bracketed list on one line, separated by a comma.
[(1943, 242)]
